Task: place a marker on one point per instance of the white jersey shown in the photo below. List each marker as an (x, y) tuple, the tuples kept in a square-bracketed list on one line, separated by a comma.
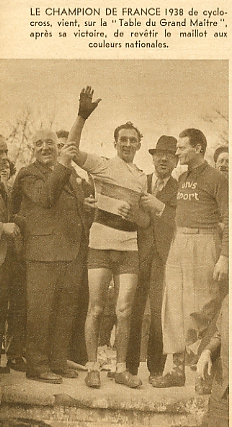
[(117, 183)]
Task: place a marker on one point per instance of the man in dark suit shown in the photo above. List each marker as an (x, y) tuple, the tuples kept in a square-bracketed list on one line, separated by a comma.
[(154, 244), (49, 207), (9, 272)]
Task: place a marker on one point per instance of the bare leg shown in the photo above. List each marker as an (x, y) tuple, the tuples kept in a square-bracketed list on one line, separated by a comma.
[(125, 286), (99, 280)]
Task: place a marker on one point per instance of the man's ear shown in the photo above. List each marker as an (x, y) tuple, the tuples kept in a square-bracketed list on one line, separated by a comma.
[(138, 146), (198, 148), (115, 143)]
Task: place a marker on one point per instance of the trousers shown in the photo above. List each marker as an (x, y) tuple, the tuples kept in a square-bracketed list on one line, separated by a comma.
[(52, 298), (13, 304), (150, 283), (191, 295)]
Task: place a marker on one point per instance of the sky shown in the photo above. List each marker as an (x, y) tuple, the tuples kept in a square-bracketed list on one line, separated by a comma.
[(158, 96)]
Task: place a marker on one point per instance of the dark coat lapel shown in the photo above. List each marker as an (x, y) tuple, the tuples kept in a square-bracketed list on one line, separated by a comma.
[(165, 193)]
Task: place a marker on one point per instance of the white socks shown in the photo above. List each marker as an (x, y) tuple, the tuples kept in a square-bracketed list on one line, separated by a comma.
[(120, 367)]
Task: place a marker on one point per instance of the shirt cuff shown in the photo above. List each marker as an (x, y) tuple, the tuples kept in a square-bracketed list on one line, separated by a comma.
[(159, 214)]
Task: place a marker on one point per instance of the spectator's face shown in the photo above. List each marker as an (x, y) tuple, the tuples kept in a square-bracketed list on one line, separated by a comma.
[(127, 144), (61, 142), (45, 147), (186, 153), (164, 163), (222, 163), (5, 171)]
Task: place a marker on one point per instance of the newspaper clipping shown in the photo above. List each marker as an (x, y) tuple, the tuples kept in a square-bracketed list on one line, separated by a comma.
[(114, 204)]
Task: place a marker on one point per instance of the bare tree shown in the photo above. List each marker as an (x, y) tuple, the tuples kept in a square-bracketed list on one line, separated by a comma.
[(220, 123), (20, 132)]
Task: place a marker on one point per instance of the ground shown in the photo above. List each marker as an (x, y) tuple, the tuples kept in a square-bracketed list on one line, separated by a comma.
[(71, 404)]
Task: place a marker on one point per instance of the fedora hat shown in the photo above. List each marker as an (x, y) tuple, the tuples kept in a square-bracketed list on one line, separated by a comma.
[(165, 143)]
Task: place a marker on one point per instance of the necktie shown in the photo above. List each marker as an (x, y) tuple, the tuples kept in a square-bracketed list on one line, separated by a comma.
[(159, 185)]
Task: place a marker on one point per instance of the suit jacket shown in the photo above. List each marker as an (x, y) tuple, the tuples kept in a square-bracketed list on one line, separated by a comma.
[(3, 219), (219, 343), (161, 229), (48, 207)]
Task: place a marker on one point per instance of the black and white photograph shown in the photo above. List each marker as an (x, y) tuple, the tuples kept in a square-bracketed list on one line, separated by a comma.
[(114, 248)]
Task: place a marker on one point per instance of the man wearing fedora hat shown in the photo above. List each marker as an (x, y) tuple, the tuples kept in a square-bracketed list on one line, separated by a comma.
[(154, 244)]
